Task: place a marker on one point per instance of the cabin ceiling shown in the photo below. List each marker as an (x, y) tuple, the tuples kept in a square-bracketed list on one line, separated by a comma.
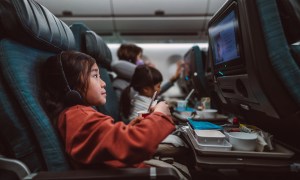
[(139, 21)]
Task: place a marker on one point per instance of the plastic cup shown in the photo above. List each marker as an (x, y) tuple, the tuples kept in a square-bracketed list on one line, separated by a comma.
[(181, 105), (143, 114)]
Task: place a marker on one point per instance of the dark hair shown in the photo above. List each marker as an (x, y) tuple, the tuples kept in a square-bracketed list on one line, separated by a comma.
[(76, 67), (144, 76), (129, 52)]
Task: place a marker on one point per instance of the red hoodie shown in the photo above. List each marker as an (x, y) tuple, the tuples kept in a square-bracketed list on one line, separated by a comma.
[(92, 139)]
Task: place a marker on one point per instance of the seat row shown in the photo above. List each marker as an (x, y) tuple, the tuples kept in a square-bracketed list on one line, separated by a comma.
[(29, 144)]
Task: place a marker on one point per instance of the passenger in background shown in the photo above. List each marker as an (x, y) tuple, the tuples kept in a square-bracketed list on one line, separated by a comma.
[(147, 61), (129, 57), (134, 54), (131, 53), (145, 81), (179, 64), (91, 139)]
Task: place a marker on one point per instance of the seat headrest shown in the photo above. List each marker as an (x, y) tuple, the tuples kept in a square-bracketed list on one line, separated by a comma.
[(78, 29), (97, 48), (90, 43), (29, 23), (123, 69), (290, 14)]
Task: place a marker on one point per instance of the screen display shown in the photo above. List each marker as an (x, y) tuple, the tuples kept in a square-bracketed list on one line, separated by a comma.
[(223, 39)]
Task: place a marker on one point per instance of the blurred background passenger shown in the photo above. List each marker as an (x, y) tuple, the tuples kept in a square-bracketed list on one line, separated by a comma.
[(145, 81), (131, 53)]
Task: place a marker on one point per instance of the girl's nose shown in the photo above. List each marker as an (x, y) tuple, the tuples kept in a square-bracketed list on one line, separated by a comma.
[(102, 83)]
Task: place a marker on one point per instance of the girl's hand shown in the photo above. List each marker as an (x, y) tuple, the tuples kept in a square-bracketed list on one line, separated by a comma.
[(162, 107)]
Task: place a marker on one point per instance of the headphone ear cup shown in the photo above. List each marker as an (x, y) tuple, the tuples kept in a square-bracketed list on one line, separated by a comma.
[(73, 97)]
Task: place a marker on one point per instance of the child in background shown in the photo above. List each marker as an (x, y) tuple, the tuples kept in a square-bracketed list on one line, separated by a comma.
[(145, 81), (92, 139)]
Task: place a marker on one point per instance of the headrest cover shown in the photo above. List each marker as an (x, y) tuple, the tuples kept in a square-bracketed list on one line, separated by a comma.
[(97, 48), (123, 69), (30, 23)]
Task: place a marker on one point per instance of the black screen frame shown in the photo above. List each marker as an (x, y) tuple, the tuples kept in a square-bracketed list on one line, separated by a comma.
[(236, 65)]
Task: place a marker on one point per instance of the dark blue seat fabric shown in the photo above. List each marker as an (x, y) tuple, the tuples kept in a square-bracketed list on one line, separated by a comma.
[(29, 35), (198, 79), (17, 137), (295, 50), (78, 29), (280, 57), (20, 72), (90, 43)]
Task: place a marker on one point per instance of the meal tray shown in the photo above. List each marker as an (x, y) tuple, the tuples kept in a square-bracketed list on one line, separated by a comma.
[(280, 151)]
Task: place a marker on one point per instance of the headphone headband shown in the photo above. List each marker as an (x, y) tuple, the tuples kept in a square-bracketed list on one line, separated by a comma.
[(72, 97), (63, 72)]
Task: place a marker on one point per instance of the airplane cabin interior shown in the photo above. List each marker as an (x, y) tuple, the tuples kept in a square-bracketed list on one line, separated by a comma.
[(248, 75)]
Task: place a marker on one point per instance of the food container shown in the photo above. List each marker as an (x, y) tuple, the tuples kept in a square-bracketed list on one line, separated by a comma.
[(207, 113), (222, 146), (209, 136), (242, 141)]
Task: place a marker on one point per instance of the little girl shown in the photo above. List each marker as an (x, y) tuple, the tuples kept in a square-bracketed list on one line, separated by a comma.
[(145, 81), (72, 87)]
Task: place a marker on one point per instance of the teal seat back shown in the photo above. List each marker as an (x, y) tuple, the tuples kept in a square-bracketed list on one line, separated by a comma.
[(30, 34), (278, 48), (24, 123), (198, 77)]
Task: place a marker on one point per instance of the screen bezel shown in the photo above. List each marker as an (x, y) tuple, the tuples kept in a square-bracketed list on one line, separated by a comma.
[(234, 66)]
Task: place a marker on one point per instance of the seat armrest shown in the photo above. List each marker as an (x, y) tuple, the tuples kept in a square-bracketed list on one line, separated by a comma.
[(16, 166), (161, 173)]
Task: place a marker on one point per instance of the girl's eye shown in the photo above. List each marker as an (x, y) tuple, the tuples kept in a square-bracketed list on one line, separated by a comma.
[(96, 75)]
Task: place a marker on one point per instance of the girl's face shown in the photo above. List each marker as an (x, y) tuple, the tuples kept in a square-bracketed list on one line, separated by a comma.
[(96, 94)]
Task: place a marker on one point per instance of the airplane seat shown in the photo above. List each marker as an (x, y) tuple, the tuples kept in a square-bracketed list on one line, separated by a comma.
[(289, 11), (27, 41), (279, 70), (89, 42), (30, 147), (278, 45), (295, 50), (198, 71), (273, 72), (290, 15), (124, 71)]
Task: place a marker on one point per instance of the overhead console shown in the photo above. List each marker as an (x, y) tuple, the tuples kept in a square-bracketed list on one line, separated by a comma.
[(187, 20)]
